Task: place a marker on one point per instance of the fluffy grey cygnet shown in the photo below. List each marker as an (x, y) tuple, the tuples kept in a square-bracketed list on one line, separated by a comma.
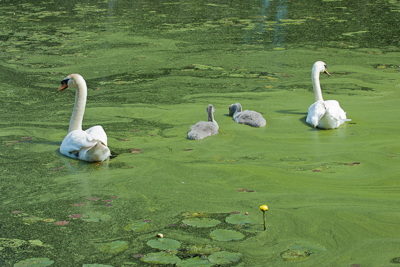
[(203, 129), (249, 117)]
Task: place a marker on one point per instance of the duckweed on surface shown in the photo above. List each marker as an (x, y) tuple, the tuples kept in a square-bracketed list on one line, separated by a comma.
[(151, 67)]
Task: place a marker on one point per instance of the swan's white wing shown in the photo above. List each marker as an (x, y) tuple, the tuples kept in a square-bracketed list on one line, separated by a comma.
[(315, 112), (81, 145), (334, 115), (97, 132), (326, 115)]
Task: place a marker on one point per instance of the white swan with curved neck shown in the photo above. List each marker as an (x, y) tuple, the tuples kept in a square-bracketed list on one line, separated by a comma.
[(323, 114), (203, 129), (249, 117), (89, 145)]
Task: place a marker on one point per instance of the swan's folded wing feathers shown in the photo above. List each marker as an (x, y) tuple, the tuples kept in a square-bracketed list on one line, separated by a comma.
[(97, 133)]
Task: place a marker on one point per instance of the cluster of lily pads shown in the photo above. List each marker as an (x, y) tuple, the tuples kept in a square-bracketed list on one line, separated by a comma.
[(218, 227)]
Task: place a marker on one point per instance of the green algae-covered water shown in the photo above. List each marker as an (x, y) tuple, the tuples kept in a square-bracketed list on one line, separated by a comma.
[(152, 67)]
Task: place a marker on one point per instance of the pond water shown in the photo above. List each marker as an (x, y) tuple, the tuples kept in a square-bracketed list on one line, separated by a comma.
[(152, 67)]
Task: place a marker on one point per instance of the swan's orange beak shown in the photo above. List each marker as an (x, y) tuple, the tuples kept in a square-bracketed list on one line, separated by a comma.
[(63, 86), (326, 72)]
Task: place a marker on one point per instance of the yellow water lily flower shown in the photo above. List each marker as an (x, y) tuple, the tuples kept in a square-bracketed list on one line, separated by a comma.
[(264, 208)]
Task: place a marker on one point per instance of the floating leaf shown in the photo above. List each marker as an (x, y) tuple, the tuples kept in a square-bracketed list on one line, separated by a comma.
[(76, 216), (239, 219), (164, 244), (195, 214), (195, 262), (301, 251), (114, 247), (161, 258), (295, 254), (34, 262), (197, 250), (62, 223), (224, 257), (137, 226), (226, 235), (31, 219), (203, 222)]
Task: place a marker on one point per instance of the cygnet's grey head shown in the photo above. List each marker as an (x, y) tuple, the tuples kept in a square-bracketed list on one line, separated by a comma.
[(210, 108), (234, 107)]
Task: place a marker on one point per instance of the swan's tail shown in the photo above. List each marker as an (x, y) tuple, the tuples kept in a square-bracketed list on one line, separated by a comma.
[(98, 152)]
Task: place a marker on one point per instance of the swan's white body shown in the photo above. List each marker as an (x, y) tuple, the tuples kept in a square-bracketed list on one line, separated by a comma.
[(249, 117), (89, 145), (323, 114), (203, 129)]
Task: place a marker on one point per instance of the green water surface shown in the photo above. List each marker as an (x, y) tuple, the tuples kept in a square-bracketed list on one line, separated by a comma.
[(152, 67)]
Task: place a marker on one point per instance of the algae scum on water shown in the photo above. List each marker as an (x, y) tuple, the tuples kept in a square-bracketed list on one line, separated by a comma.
[(151, 69)]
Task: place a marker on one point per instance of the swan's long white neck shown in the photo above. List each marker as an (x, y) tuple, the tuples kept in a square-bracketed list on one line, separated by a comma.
[(80, 103), (316, 85)]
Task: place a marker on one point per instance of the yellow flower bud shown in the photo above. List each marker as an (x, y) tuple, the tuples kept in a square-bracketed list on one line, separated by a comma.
[(264, 208)]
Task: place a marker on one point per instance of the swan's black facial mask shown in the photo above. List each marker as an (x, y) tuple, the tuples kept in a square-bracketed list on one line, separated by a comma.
[(326, 71), (64, 85)]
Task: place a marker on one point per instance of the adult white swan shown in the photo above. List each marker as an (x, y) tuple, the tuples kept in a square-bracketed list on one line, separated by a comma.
[(249, 117), (323, 114), (89, 145), (203, 129)]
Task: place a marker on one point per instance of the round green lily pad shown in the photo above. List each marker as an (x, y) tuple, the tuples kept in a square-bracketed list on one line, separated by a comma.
[(137, 226), (114, 247), (226, 235), (301, 250), (239, 219), (224, 257), (195, 262), (164, 244), (161, 258), (201, 222), (34, 262), (295, 254)]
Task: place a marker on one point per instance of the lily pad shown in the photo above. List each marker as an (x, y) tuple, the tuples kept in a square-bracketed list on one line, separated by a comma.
[(239, 219), (195, 262), (191, 251), (164, 244), (224, 257), (30, 219), (203, 222), (137, 226), (295, 254), (161, 258), (114, 247), (301, 250), (226, 235), (34, 262)]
